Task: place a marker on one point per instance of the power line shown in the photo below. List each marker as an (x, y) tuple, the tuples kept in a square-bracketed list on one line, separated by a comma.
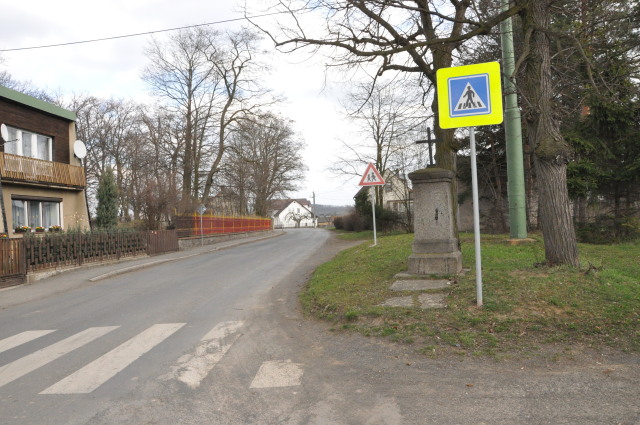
[(117, 37)]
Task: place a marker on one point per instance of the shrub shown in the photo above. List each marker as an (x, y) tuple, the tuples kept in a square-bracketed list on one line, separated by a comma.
[(605, 229), (353, 222)]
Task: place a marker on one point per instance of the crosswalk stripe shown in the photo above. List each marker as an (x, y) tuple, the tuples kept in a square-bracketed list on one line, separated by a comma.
[(21, 338), (96, 373), (193, 368), (14, 370)]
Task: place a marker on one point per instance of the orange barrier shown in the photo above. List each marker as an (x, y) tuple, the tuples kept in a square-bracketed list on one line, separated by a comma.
[(216, 225)]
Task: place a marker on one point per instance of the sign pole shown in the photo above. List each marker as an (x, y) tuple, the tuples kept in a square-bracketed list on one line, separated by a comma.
[(373, 209), (476, 215), (469, 96), (201, 210), (372, 178)]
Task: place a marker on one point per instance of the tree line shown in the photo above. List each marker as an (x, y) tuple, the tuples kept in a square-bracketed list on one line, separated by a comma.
[(576, 76), (211, 136), (572, 56)]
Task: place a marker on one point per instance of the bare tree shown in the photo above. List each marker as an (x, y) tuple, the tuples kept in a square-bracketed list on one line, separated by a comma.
[(160, 182), (392, 35), (208, 81), (297, 217), (389, 115), (27, 87), (267, 160), (240, 92), (419, 36), (181, 73), (116, 136), (112, 132), (422, 36)]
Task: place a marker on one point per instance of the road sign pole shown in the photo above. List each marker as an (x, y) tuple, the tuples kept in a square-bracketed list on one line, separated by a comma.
[(373, 209), (469, 96), (372, 178), (201, 210), (476, 215)]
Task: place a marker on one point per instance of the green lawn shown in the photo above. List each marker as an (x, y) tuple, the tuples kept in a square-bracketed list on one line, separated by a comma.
[(526, 305)]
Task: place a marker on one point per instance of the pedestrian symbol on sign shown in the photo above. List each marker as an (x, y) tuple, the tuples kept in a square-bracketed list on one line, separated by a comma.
[(371, 177), (469, 100), (472, 95)]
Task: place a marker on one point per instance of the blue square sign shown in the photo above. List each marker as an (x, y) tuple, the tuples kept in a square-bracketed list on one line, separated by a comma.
[(469, 95)]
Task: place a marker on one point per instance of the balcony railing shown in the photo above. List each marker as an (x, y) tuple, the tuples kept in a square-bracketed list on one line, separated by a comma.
[(37, 171)]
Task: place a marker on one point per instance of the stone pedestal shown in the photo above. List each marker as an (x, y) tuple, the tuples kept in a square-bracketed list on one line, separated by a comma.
[(435, 246)]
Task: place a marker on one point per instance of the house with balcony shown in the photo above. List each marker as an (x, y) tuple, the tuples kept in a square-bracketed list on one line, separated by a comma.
[(42, 181)]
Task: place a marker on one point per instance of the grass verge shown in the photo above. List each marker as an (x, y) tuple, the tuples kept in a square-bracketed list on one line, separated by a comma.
[(525, 306)]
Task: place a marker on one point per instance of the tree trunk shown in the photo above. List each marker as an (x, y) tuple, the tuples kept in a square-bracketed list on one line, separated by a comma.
[(551, 151), (555, 213)]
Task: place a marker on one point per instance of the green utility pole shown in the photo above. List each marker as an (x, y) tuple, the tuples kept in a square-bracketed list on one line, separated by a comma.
[(513, 134)]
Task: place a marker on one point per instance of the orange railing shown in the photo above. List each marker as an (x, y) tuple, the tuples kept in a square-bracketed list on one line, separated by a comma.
[(31, 170), (190, 225)]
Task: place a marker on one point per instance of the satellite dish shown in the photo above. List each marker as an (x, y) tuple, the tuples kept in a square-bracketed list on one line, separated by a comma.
[(79, 149), (4, 132)]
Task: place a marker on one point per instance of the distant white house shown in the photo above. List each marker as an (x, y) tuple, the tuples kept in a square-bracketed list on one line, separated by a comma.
[(287, 213), (398, 195)]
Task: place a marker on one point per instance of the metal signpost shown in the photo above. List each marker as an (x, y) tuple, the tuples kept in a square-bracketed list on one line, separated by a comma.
[(470, 96), (372, 178), (201, 210)]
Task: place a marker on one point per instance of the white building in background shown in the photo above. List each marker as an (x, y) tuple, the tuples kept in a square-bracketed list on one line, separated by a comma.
[(398, 194), (290, 213)]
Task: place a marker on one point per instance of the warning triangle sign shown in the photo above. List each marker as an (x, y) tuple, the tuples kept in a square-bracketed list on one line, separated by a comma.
[(371, 177), (469, 100)]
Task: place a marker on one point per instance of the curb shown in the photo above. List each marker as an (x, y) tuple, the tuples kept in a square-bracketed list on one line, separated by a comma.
[(167, 260)]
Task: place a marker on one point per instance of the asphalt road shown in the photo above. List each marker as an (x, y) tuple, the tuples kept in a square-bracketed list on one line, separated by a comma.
[(218, 338)]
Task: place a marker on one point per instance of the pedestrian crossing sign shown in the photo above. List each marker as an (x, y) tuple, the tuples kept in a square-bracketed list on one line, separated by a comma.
[(469, 95)]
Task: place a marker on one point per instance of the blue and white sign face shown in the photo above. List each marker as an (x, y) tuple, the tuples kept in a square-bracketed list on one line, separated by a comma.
[(469, 95)]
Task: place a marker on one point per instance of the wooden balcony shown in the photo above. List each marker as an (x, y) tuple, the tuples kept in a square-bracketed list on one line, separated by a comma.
[(15, 168)]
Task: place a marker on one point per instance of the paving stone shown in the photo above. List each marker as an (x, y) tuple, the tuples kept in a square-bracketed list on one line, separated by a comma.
[(432, 301), (398, 302), (419, 285)]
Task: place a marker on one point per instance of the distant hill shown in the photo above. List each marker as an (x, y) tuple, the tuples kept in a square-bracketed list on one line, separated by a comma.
[(332, 210)]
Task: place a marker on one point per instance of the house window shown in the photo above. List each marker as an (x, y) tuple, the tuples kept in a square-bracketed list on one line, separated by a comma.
[(26, 143), (35, 212)]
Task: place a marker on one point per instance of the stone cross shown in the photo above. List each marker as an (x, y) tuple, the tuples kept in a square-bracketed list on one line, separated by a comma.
[(435, 245), (430, 142)]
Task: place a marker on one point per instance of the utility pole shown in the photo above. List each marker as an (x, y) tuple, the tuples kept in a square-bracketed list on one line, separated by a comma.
[(513, 134), (313, 209)]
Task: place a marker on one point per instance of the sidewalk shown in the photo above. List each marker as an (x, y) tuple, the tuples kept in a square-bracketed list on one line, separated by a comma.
[(44, 284)]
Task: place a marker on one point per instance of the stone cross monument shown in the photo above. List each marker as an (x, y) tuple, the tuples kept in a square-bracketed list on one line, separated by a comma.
[(435, 245)]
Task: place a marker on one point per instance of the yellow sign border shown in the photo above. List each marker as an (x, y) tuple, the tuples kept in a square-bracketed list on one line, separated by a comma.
[(492, 69)]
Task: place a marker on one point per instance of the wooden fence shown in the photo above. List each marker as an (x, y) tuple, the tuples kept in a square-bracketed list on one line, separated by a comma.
[(196, 225), (12, 266), (161, 241), (20, 256)]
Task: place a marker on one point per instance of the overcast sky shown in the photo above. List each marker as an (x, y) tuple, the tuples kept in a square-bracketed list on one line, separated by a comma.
[(112, 68)]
